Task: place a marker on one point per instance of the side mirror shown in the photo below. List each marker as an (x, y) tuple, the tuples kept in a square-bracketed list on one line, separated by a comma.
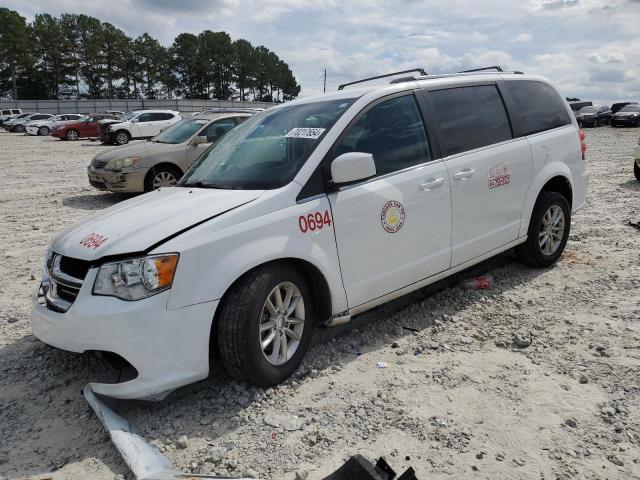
[(164, 128), (351, 167), (199, 140)]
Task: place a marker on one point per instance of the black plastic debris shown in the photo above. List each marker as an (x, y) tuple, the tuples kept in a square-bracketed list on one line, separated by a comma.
[(359, 468)]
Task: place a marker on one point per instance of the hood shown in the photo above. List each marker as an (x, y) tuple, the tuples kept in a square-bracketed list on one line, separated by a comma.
[(625, 114), (109, 121), (141, 149), (139, 223)]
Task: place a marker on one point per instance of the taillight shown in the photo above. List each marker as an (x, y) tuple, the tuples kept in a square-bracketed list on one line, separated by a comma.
[(583, 145)]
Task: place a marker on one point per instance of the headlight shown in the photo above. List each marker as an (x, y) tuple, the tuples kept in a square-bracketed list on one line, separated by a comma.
[(136, 278), (120, 163), (48, 257)]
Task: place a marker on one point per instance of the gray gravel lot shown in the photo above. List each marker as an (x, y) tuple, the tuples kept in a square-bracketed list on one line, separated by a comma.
[(459, 399)]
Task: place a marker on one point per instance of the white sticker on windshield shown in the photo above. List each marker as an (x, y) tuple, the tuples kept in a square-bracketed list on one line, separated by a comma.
[(202, 122), (312, 133)]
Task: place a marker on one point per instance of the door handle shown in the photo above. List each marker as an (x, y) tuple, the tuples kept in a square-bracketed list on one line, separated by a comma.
[(464, 174), (432, 183)]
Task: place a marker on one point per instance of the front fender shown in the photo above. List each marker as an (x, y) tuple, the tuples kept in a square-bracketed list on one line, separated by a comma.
[(549, 171), (212, 257)]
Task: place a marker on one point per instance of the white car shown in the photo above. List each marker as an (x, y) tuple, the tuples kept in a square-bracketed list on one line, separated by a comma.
[(142, 124), (7, 113), (19, 125), (309, 213), (44, 127)]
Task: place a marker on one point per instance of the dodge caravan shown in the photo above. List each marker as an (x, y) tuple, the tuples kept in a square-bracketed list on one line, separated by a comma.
[(309, 213)]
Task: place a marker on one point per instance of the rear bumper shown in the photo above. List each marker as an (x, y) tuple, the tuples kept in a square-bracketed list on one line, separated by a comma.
[(168, 348), (580, 187)]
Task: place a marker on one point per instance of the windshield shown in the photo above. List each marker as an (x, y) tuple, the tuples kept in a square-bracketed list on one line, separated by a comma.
[(631, 108), (180, 131), (588, 110), (267, 150)]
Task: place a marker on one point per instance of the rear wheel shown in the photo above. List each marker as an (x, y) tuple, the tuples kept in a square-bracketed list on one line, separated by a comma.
[(636, 171), (548, 230), (121, 137), (43, 131), (265, 325), (72, 135), (161, 176)]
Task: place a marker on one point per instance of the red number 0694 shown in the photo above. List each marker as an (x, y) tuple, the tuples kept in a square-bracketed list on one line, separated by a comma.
[(314, 221)]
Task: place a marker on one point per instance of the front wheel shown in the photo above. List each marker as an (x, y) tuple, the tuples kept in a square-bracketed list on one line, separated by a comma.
[(44, 131), (72, 135), (121, 137), (162, 176), (548, 230), (19, 129), (265, 324), (636, 170)]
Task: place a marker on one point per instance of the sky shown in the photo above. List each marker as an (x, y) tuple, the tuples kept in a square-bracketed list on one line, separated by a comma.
[(590, 49)]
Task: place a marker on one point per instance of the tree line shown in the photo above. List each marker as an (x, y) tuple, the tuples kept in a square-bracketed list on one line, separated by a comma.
[(78, 56)]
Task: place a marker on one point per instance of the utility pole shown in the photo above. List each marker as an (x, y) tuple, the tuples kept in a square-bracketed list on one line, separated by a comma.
[(324, 88)]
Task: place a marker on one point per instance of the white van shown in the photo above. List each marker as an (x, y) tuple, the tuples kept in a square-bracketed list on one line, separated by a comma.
[(7, 113), (309, 213)]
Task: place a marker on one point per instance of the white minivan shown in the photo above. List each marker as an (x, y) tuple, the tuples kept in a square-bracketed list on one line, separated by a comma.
[(309, 213)]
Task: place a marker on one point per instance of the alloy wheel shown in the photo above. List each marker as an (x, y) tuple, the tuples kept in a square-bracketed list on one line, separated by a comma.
[(551, 230), (72, 135), (164, 179), (43, 131), (122, 138), (281, 323)]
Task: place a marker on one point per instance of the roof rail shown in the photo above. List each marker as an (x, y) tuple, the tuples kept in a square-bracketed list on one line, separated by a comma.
[(419, 70), (497, 68)]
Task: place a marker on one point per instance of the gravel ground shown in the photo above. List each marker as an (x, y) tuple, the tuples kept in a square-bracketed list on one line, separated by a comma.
[(463, 395)]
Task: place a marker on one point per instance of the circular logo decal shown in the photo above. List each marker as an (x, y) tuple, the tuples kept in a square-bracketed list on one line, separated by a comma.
[(392, 216)]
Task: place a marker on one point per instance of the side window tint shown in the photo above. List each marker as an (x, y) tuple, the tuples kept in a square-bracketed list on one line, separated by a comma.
[(144, 117), (218, 129), (470, 117), (538, 105), (393, 132)]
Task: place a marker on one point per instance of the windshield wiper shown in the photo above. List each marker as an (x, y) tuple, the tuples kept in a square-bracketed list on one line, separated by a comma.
[(219, 186)]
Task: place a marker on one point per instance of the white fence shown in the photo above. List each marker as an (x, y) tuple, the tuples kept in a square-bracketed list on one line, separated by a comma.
[(90, 106)]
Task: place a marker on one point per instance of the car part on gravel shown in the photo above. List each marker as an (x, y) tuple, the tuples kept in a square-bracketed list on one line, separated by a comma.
[(359, 468), (141, 457)]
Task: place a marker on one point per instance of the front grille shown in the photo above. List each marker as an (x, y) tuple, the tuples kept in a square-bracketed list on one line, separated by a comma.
[(66, 275), (74, 267)]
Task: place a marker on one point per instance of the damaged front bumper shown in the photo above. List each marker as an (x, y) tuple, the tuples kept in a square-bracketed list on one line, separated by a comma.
[(123, 181), (168, 348), (141, 457)]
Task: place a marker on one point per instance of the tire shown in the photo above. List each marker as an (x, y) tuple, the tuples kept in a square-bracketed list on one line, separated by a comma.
[(161, 176), (244, 310), (43, 131), (636, 170), (19, 129), (72, 135), (547, 206), (121, 137)]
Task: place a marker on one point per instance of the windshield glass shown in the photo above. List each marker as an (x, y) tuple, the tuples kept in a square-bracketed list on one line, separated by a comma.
[(180, 131), (267, 150), (588, 110), (631, 108)]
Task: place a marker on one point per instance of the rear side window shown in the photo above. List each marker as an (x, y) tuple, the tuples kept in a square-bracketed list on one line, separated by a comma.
[(538, 106), (16, 111), (392, 131), (470, 117), (6, 112), (156, 117)]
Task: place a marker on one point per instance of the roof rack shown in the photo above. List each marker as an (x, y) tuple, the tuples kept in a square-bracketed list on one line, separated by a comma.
[(421, 71), (497, 68)]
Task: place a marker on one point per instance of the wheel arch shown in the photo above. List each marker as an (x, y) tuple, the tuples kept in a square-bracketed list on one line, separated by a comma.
[(555, 177), (312, 274), (165, 163)]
